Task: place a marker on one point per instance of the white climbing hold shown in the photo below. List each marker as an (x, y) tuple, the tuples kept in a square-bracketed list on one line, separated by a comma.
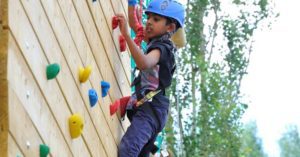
[(27, 45), (27, 94), (27, 144)]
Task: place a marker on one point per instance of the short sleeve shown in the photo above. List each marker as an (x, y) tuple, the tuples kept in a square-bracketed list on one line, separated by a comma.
[(165, 53), (166, 62)]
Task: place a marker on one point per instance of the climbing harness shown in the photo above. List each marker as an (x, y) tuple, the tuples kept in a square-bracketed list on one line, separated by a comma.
[(147, 97)]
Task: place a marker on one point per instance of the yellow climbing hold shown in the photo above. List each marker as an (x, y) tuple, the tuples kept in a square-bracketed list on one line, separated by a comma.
[(84, 73), (75, 125)]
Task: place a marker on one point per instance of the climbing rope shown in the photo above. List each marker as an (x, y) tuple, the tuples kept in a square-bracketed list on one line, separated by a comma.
[(139, 26)]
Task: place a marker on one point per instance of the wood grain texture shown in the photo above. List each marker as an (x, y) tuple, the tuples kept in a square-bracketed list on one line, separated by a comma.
[(35, 110)]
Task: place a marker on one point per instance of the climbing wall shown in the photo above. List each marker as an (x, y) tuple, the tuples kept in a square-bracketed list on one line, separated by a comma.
[(35, 110)]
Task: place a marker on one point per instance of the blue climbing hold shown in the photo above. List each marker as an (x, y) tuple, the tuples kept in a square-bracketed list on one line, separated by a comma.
[(104, 88), (93, 97)]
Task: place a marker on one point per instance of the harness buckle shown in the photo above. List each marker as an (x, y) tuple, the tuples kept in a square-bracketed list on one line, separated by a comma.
[(147, 97)]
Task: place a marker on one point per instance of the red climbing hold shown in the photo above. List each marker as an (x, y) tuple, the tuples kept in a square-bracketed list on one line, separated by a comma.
[(122, 43), (120, 103), (114, 107), (123, 105), (115, 22)]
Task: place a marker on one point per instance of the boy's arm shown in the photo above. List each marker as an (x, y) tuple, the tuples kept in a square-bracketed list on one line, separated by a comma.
[(142, 61)]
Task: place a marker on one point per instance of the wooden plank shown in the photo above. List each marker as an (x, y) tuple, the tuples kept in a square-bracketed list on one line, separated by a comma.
[(3, 92), (71, 54), (20, 123), (46, 36), (4, 13), (67, 84), (98, 50), (13, 149), (26, 97), (108, 13), (110, 45), (1, 12), (87, 58), (120, 6), (37, 62)]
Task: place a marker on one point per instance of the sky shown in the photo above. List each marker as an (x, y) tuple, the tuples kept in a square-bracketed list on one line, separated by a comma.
[(273, 83)]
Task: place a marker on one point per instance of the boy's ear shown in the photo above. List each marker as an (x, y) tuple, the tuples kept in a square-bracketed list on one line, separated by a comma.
[(171, 27)]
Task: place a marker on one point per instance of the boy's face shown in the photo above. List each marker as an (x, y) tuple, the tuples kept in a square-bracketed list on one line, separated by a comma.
[(156, 25)]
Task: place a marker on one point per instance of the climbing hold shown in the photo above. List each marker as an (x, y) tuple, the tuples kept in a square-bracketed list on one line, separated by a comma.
[(179, 38), (52, 70), (123, 105), (44, 150), (104, 88), (75, 125), (84, 73), (93, 97), (27, 144), (120, 103), (122, 43), (113, 108), (115, 22)]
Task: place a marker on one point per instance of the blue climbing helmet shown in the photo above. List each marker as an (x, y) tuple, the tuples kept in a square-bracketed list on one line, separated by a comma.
[(168, 8)]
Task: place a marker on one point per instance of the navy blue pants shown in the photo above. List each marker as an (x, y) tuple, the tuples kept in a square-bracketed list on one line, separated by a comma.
[(144, 128)]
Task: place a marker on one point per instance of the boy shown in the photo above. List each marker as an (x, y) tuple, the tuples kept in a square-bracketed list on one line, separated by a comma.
[(148, 116)]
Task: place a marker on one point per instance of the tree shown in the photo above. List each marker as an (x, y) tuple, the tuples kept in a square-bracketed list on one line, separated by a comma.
[(251, 145), (206, 96), (289, 143)]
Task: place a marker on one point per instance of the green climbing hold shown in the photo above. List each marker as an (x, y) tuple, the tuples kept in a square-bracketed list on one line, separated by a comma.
[(44, 150), (52, 71)]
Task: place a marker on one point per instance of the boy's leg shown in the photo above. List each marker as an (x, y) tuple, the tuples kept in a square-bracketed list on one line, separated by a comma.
[(141, 130), (147, 149)]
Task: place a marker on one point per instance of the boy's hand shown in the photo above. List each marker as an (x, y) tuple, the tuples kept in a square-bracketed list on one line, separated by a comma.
[(123, 25)]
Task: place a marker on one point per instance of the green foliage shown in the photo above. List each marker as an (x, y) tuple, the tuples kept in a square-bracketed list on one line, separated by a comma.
[(251, 144), (290, 143), (206, 96)]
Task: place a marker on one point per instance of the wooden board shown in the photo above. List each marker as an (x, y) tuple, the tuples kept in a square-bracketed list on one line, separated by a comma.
[(109, 12), (1, 13), (71, 33), (28, 92), (101, 59), (109, 45), (13, 148), (37, 62), (3, 92), (86, 56), (29, 142)]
